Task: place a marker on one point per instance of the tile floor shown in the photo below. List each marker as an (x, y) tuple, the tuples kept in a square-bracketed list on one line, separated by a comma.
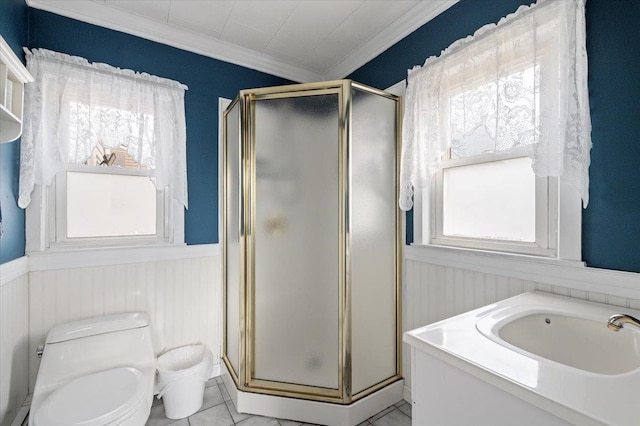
[(218, 410)]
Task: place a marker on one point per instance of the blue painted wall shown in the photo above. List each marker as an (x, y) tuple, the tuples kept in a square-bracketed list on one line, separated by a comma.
[(13, 28), (611, 223)]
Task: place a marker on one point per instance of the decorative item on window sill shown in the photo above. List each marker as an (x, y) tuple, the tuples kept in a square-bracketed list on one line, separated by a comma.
[(101, 157), (107, 161), (118, 157)]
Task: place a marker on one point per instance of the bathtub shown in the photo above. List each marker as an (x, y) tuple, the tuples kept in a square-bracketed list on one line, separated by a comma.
[(533, 359)]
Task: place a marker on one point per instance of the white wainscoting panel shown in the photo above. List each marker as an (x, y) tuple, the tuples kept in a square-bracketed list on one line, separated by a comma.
[(433, 292), (182, 297), (14, 329)]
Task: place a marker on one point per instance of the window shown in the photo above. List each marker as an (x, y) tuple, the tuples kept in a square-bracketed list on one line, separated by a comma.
[(497, 133), (107, 199), (106, 153), (486, 193), (101, 205)]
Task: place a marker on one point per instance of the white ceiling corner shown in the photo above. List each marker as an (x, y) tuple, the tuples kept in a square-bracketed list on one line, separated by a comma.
[(301, 40), (420, 14)]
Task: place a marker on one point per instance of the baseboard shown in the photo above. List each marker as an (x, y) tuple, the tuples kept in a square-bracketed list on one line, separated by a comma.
[(406, 394), (215, 371)]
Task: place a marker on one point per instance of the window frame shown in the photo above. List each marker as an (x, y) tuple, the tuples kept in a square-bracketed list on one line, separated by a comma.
[(558, 213), (46, 213), (568, 238), (567, 207), (546, 194), (59, 231), (46, 217), (567, 204)]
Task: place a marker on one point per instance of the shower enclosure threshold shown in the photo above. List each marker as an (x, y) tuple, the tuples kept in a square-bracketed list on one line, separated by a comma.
[(322, 413)]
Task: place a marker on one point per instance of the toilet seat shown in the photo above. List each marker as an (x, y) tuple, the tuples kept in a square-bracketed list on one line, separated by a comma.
[(95, 400)]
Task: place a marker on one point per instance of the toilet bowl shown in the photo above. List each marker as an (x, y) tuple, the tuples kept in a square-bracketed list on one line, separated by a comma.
[(96, 372)]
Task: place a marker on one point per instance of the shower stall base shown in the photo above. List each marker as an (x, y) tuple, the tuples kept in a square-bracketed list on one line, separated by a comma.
[(307, 411)]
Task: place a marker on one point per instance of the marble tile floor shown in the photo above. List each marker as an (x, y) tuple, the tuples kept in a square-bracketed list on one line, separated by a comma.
[(218, 410)]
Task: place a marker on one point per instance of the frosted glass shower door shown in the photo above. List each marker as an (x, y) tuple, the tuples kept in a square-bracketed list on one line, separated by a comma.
[(373, 242), (296, 253)]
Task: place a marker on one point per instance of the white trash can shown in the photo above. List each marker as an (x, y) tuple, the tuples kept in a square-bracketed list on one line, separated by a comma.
[(181, 376)]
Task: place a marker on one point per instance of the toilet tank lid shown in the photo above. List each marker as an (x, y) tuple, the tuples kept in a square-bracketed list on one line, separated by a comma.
[(97, 325)]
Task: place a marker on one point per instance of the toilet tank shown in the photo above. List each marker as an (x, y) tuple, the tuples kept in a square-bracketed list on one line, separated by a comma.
[(96, 344)]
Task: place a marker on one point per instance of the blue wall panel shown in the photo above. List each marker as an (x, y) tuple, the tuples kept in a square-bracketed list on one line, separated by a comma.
[(13, 28), (611, 223)]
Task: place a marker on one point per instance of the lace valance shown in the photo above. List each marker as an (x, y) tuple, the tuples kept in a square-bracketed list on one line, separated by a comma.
[(521, 83), (73, 106)]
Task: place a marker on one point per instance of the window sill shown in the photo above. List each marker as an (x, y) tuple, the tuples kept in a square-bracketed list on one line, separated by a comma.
[(84, 244), (83, 257), (553, 272), (493, 255), (498, 247)]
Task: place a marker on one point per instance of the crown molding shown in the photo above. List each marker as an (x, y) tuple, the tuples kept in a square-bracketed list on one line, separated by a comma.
[(100, 14), (417, 16), (105, 16)]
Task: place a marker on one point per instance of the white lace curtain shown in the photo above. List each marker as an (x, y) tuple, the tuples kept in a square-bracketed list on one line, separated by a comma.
[(519, 84), (74, 105)]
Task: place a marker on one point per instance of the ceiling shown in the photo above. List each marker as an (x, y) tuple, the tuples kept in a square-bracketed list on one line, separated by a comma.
[(302, 40)]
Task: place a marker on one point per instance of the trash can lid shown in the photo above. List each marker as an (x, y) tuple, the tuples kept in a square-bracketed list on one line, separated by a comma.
[(94, 400), (182, 361)]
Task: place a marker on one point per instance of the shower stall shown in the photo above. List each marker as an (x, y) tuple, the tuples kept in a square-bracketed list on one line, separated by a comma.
[(311, 242)]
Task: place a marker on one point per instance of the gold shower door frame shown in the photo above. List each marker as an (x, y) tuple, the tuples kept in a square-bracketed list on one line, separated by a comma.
[(245, 378)]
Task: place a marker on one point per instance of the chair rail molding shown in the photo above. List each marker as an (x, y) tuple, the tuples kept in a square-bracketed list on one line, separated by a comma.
[(13, 269), (569, 274), (70, 259)]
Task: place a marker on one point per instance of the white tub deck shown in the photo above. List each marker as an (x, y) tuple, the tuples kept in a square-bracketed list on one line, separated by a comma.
[(574, 395)]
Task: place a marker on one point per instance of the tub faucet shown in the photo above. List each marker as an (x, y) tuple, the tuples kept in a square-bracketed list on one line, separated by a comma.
[(617, 321)]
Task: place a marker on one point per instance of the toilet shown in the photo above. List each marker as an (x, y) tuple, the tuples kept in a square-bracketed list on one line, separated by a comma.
[(96, 372)]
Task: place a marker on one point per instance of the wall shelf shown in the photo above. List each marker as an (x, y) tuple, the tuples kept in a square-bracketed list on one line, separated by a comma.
[(13, 76)]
